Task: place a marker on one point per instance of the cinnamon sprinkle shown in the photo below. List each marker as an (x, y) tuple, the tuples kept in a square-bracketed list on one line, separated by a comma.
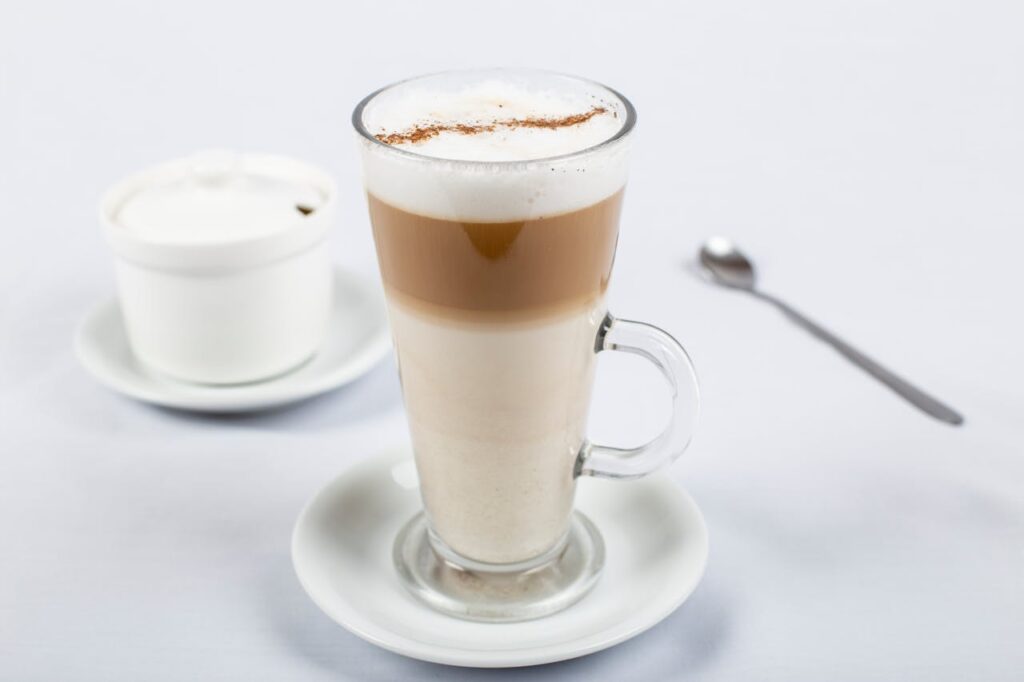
[(426, 131)]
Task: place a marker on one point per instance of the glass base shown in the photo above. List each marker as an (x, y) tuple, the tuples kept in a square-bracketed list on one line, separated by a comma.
[(498, 593)]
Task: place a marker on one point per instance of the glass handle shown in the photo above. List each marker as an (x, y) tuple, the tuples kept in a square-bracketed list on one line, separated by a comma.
[(668, 356)]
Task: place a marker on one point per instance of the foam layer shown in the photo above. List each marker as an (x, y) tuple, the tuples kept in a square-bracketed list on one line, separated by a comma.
[(493, 120), (471, 156)]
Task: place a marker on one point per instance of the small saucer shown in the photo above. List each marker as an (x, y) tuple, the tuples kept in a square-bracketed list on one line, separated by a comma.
[(357, 338), (656, 544)]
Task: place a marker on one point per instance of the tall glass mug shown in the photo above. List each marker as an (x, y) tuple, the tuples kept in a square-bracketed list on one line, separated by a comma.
[(496, 255)]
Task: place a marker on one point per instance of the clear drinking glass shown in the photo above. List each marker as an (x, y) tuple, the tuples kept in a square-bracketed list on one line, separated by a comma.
[(495, 275)]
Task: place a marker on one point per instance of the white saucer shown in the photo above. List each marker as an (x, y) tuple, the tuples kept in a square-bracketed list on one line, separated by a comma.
[(357, 338), (656, 541)]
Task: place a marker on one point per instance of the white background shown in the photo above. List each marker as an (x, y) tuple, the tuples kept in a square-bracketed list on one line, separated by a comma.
[(869, 154)]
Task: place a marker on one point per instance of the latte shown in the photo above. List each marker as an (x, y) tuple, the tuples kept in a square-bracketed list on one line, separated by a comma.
[(495, 243)]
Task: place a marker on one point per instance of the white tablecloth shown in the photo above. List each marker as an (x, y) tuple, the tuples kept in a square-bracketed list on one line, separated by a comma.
[(869, 155)]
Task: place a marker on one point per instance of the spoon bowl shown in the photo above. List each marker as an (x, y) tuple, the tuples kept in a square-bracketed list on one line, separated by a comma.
[(726, 265)]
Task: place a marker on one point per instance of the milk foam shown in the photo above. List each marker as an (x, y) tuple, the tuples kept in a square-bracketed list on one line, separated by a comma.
[(506, 174), (500, 104)]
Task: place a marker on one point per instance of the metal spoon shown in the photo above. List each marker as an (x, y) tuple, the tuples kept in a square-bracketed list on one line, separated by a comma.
[(726, 265)]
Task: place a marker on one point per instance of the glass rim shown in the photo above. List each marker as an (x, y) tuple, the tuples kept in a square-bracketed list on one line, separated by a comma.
[(627, 126)]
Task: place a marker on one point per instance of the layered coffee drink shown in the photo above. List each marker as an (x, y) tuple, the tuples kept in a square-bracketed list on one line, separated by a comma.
[(495, 199), (495, 241)]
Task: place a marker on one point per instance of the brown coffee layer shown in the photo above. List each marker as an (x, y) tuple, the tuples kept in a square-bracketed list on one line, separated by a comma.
[(514, 270)]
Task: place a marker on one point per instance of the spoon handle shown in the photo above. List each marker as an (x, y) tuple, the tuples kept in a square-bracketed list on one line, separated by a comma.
[(908, 391)]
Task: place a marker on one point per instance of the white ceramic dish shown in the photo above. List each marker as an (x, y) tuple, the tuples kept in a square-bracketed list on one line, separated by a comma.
[(222, 265), (357, 338), (657, 547)]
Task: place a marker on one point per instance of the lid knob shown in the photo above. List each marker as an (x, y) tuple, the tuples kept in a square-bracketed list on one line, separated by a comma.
[(214, 167)]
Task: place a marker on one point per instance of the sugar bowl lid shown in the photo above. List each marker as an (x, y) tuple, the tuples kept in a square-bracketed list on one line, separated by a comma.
[(218, 209)]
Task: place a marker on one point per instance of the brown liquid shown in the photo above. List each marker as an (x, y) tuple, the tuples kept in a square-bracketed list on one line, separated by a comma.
[(509, 271), (494, 327)]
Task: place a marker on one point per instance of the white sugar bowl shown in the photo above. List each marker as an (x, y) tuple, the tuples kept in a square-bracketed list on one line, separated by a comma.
[(222, 266)]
